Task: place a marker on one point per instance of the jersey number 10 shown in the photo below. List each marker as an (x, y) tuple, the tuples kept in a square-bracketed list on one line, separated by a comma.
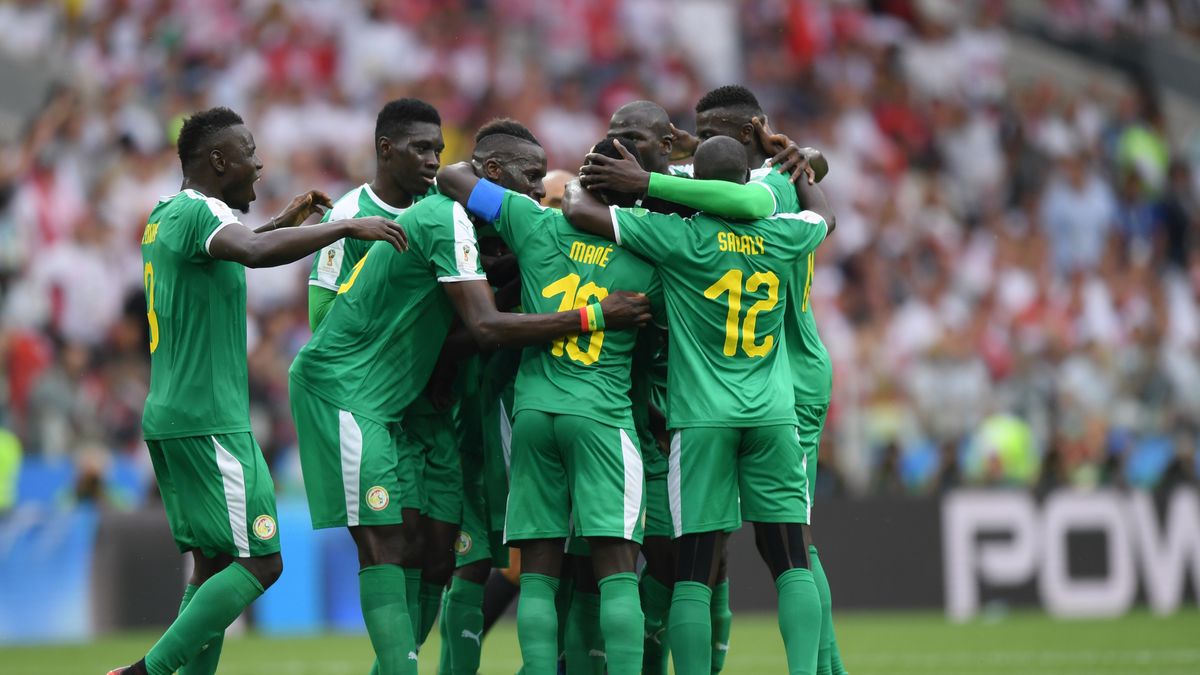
[(575, 296), (731, 283)]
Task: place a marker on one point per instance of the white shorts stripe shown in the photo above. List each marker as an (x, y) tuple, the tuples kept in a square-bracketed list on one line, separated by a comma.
[(634, 477), (350, 442), (233, 479), (673, 494), (808, 487), (506, 438)]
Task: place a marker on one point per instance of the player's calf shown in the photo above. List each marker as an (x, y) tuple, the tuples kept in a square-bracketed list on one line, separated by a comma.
[(784, 547)]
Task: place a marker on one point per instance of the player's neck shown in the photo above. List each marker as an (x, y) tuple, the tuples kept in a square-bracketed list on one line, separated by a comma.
[(203, 187), (391, 194), (755, 156)]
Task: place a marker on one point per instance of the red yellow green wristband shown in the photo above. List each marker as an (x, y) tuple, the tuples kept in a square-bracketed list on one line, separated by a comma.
[(591, 318)]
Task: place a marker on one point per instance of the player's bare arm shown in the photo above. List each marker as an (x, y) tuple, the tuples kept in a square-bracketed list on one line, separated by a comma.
[(789, 156), (298, 211), (587, 212), (280, 247), (493, 329)]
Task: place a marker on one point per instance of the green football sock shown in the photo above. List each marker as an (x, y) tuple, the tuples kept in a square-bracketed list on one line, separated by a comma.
[(835, 657), (215, 605), (385, 611), (722, 624), (584, 642), (799, 619), (621, 622), (690, 628), (463, 623), (824, 649), (204, 663), (537, 624), (431, 601), (412, 597), (656, 600)]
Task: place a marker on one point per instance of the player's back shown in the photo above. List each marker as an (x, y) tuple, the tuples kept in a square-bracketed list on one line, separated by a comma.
[(563, 269), (196, 309), (374, 352), (725, 285)]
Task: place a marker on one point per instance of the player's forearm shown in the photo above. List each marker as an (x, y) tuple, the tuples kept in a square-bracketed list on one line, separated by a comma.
[(813, 199), (280, 247), (457, 181), (495, 329), (717, 197), (587, 213), (319, 302)]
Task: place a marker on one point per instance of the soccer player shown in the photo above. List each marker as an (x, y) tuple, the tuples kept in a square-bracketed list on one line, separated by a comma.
[(730, 400), (373, 355), (734, 111), (215, 484), (575, 453), (408, 147)]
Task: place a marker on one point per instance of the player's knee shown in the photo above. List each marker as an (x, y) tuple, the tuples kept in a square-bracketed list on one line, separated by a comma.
[(696, 557), (476, 572), (782, 546), (266, 569)]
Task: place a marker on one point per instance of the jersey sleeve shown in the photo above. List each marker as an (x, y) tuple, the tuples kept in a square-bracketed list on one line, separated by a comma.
[(653, 236), (658, 305), (211, 216), (718, 197), (809, 229), (783, 193), (519, 218), (454, 253)]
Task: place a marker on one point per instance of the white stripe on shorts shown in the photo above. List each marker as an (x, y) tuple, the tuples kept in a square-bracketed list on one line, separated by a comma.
[(673, 494), (350, 444), (634, 476), (506, 438), (808, 487), (233, 479)]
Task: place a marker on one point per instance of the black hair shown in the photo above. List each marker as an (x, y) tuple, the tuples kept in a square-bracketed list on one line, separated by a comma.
[(721, 158), (200, 127), (730, 96), (608, 148), (506, 126), (398, 114)]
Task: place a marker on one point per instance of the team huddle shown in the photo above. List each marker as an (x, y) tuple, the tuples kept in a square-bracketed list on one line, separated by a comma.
[(589, 371)]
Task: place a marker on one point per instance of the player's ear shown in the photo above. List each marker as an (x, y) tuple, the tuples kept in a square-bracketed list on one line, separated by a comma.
[(747, 135), (492, 169), (217, 161), (383, 146), (667, 144)]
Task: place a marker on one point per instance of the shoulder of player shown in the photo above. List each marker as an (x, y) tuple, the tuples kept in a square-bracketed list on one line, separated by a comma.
[(198, 205), (347, 206)]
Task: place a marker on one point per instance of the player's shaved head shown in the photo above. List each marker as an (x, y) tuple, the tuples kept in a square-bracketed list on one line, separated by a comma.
[(721, 158), (507, 153), (556, 184), (646, 128)]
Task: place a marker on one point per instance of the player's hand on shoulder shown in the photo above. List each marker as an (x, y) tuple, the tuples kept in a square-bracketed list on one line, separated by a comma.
[(623, 175), (378, 228), (623, 309)]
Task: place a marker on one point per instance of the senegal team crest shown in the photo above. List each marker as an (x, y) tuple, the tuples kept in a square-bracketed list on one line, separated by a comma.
[(462, 545), (264, 527), (378, 498)]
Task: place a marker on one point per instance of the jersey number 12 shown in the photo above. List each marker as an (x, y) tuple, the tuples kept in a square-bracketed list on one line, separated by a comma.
[(731, 283)]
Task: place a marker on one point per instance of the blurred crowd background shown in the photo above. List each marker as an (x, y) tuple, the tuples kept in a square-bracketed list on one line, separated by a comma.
[(1011, 296)]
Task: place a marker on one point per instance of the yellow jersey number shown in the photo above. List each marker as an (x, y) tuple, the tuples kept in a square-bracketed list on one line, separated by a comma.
[(731, 283), (151, 317), (575, 296), (353, 274)]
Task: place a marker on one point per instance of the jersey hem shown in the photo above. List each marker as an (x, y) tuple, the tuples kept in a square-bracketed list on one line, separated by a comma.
[(354, 410), (322, 284), (195, 433), (732, 424), (549, 410)]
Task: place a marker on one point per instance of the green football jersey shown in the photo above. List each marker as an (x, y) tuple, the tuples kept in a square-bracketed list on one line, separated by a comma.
[(333, 264), (196, 307), (374, 352), (562, 269), (726, 285), (812, 373)]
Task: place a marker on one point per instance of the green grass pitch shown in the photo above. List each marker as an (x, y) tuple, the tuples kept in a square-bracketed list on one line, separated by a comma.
[(893, 643)]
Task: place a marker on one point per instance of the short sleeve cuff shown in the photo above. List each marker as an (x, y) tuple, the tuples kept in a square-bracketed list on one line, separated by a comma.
[(462, 277), (208, 242), (616, 224)]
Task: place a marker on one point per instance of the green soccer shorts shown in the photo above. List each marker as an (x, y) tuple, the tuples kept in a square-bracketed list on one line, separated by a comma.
[(810, 424), (485, 481), (713, 469), (218, 494), (574, 470), (658, 507), (435, 439), (354, 474)]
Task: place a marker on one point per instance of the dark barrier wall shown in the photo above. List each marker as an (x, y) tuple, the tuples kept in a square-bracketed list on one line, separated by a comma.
[(1072, 553)]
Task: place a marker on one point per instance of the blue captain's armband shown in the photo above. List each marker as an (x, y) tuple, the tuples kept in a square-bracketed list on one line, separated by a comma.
[(485, 200)]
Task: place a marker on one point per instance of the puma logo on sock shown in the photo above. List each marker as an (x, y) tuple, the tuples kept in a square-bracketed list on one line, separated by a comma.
[(412, 656), (597, 653), (656, 636), (474, 636), (722, 646)]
